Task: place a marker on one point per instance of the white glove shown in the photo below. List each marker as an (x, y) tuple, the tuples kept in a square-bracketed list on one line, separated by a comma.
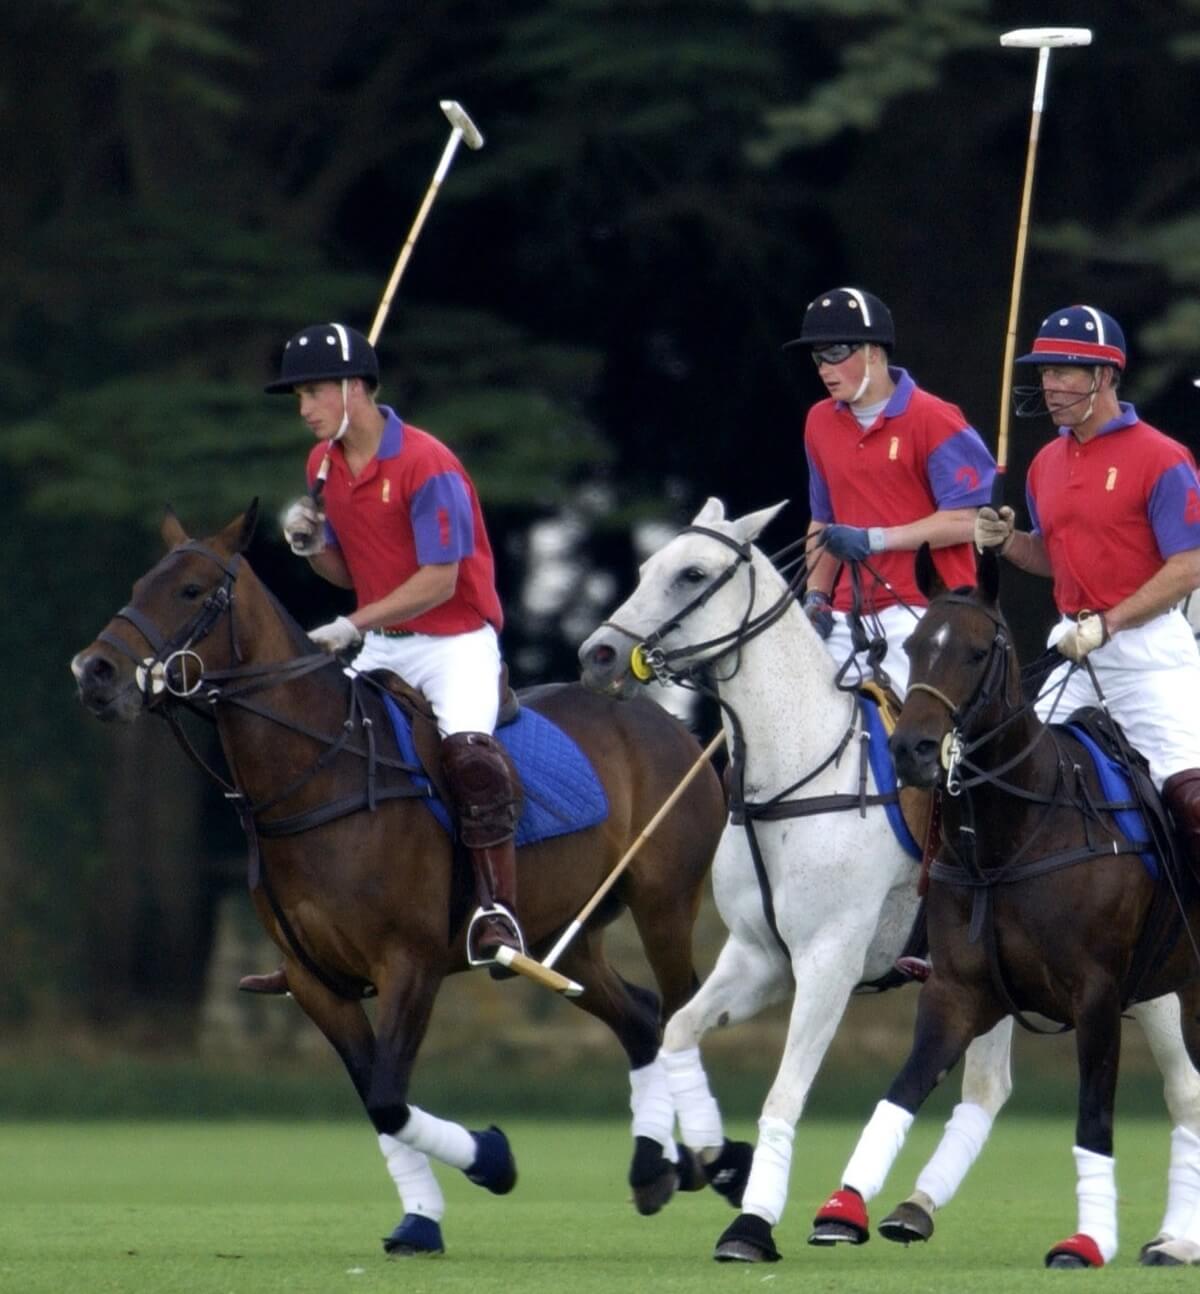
[(336, 636), (994, 529), (304, 528), (1085, 635)]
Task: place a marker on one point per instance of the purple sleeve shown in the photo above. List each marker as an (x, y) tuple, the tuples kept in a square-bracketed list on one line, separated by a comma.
[(960, 471), (819, 507), (443, 521), (1035, 526), (1174, 510)]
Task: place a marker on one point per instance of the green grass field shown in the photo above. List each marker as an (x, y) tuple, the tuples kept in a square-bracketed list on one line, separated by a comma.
[(259, 1207)]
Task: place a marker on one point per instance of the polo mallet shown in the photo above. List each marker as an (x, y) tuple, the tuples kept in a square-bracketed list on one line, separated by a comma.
[(1043, 39), (463, 129), (630, 854)]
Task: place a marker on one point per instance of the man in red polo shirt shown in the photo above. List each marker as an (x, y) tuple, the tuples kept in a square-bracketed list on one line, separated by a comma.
[(890, 467), (403, 528), (1115, 507)]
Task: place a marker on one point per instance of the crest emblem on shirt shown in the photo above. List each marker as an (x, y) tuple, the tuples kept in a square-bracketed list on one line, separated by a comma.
[(386, 492), (894, 449), (1110, 481)]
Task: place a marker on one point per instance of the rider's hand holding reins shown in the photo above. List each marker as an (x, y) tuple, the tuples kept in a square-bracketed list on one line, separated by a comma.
[(994, 529), (336, 636), (304, 528), (1085, 635), (817, 608), (852, 543)]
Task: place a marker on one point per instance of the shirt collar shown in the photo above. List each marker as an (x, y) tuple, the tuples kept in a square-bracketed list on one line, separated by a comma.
[(898, 401), (392, 440)]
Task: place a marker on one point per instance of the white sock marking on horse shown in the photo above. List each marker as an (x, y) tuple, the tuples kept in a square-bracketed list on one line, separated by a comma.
[(1182, 1218), (958, 1149), (697, 1110), (413, 1175), (448, 1143), (766, 1189), (653, 1112), (1096, 1193), (877, 1149)]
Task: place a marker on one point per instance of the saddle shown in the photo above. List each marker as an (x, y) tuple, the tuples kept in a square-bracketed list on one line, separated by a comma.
[(916, 803), (426, 738)]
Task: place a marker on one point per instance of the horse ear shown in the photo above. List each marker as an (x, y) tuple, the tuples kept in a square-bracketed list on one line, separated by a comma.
[(929, 579), (987, 569), (713, 510), (749, 527), (249, 522), (172, 529)]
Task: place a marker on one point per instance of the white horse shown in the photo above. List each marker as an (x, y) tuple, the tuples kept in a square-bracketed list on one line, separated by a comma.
[(837, 895), (840, 889)]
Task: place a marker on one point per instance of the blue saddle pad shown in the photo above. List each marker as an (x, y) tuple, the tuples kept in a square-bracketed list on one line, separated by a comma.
[(562, 792), (885, 773), (1115, 788)]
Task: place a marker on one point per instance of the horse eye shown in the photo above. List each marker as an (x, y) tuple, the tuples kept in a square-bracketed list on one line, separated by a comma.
[(191, 592), (693, 575), (978, 655)]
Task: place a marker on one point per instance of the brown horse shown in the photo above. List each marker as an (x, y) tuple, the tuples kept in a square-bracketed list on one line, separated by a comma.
[(1039, 902), (362, 889)]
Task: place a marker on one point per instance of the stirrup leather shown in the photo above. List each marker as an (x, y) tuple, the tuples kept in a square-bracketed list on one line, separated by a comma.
[(482, 914)]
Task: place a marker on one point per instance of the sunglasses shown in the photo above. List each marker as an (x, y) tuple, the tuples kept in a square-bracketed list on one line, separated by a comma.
[(838, 353)]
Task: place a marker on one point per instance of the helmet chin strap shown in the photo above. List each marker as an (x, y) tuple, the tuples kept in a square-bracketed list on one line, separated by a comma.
[(866, 381), (1090, 396), (341, 431)]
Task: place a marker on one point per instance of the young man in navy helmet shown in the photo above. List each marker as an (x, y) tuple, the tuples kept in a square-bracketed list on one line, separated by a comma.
[(1115, 512), (890, 467), (402, 527)]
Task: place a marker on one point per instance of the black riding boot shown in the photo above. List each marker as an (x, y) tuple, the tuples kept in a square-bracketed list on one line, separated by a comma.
[(487, 796), (1182, 794)]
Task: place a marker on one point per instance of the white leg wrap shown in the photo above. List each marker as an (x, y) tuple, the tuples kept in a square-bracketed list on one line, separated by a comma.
[(958, 1149), (877, 1149), (695, 1106), (766, 1189), (650, 1101), (1096, 1193), (448, 1143), (410, 1170), (1182, 1218)]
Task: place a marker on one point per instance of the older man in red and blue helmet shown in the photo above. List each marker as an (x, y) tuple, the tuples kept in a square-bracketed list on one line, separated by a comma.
[(1115, 507), (402, 527), (890, 467), (1115, 512)]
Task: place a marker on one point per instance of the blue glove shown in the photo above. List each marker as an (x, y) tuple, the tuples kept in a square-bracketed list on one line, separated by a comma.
[(852, 543), (817, 608)]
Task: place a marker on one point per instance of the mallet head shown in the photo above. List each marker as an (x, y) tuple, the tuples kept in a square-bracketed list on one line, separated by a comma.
[(1044, 37), (456, 115)]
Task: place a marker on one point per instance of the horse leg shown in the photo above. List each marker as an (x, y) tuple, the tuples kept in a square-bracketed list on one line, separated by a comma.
[(986, 1086), (349, 1031), (633, 1014), (1178, 1240), (746, 978), (946, 1024), (1098, 1048)]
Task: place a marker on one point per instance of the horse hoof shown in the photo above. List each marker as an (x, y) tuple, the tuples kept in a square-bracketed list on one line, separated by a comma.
[(842, 1219), (906, 1223), (747, 1239), (730, 1171), (1077, 1251), (494, 1165), (652, 1176), (1150, 1257), (414, 1237), (690, 1170)]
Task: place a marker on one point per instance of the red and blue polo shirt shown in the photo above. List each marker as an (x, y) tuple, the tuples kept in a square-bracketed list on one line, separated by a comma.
[(919, 456), (412, 505), (1110, 511)]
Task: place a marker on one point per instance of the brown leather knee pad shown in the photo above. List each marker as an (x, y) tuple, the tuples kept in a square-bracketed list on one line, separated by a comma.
[(485, 786)]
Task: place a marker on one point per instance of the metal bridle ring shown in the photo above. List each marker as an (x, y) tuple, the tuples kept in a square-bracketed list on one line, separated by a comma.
[(183, 691)]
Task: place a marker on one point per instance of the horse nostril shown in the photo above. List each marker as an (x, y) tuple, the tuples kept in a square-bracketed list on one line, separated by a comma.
[(926, 749), (99, 670), (603, 655)]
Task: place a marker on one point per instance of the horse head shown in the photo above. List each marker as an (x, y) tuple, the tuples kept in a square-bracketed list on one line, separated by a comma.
[(962, 668), (177, 625), (697, 598)]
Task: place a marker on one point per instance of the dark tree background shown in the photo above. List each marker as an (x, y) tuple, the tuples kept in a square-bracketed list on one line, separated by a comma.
[(592, 318)]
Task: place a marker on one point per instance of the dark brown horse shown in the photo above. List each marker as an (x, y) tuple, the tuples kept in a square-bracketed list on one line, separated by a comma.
[(359, 885), (1039, 902)]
